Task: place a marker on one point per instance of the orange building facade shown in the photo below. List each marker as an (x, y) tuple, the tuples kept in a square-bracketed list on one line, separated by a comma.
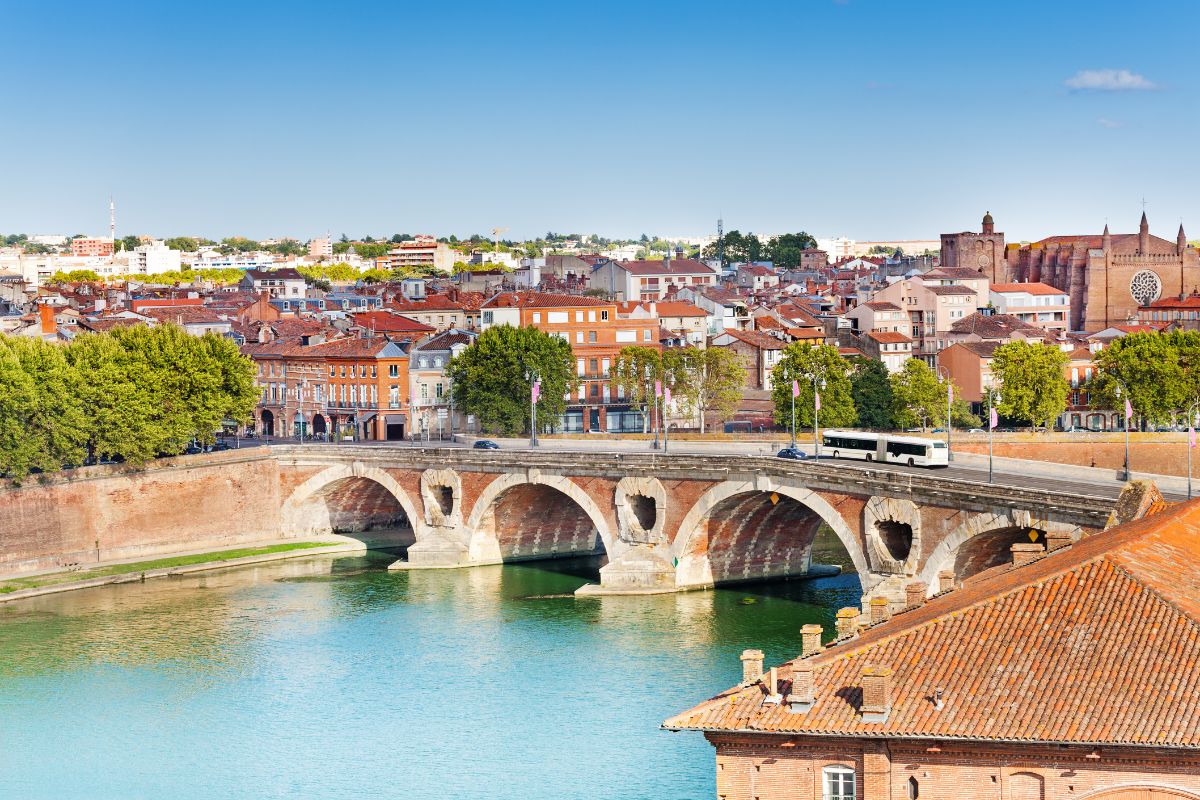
[(596, 335), (339, 390)]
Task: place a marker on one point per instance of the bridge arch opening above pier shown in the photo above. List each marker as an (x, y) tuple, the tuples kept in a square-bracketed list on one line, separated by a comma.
[(741, 532), (985, 540), (520, 518), (364, 504)]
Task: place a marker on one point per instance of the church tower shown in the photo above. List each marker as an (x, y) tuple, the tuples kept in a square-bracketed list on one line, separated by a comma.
[(979, 252), (1144, 236), (1180, 241)]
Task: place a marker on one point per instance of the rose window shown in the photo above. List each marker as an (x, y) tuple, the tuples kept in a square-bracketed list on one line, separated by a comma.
[(1145, 287)]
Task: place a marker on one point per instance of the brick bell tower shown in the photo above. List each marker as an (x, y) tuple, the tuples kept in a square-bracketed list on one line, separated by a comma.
[(981, 252)]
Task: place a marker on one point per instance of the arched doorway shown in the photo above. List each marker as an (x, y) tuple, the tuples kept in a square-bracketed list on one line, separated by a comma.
[(268, 423), (319, 427), (1142, 793)]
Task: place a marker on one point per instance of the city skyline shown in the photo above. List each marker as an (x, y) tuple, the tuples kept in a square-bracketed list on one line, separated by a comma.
[(832, 117)]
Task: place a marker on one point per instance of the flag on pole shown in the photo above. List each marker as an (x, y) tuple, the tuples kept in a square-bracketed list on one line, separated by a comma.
[(666, 395), (1191, 437), (1128, 410), (818, 401), (536, 390), (658, 388), (795, 388), (949, 392), (993, 419)]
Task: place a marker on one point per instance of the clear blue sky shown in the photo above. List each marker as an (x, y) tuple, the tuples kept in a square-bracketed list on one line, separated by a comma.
[(863, 118)]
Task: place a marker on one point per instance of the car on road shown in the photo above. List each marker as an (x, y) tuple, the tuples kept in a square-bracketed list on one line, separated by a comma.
[(975, 430), (219, 446), (485, 444), (193, 449), (794, 453)]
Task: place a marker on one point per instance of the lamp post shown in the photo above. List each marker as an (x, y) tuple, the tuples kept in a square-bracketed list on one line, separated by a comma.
[(818, 385), (993, 418), (1191, 442), (949, 411), (1128, 419), (534, 389)]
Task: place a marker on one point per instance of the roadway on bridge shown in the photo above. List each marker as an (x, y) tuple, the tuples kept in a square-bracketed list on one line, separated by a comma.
[(1083, 481)]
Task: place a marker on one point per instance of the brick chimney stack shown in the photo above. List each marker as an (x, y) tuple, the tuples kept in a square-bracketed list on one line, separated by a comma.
[(877, 693), (49, 324), (1026, 552), (945, 580), (881, 610), (803, 693), (810, 640), (914, 594), (752, 666), (1056, 540), (847, 621)]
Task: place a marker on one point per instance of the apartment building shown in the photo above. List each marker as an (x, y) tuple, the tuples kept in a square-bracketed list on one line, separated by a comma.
[(92, 246), (627, 281), (424, 253), (1034, 303)]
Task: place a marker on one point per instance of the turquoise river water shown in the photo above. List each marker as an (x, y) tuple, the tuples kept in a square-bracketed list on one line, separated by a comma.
[(330, 677)]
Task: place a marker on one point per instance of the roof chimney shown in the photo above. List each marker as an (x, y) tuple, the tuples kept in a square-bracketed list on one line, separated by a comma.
[(877, 693), (847, 621), (800, 699), (810, 640), (945, 580), (1056, 540), (1025, 552), (881, 610), (914, 594), (774, 696), (49, 324), (752, 666)]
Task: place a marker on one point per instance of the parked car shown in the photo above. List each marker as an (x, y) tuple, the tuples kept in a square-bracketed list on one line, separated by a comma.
[(975, 430), (219, 446), (793, 453), (485, 444), (193, 449)]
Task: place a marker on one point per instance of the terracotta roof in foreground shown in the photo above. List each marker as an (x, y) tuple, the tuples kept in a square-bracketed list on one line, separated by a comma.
[(1097, 643)]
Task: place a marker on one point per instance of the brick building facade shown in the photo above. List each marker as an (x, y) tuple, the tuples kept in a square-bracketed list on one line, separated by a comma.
[(1068, 674)]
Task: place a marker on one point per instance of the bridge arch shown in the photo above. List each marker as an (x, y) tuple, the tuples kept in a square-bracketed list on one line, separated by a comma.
[(350, 499), (549, 527), (983, 540), (750, 504)]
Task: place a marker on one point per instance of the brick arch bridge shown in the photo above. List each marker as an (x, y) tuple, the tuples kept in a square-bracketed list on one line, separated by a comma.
[(671, 523)]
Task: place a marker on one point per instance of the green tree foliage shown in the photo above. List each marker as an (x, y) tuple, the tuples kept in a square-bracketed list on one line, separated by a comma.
[(135, 392), (340, 272), (706, 380), (801, 362), (372, 250), (490, 377), (128, 243), (1033, 383), (1160, 372), (784, 251), (287, 247), (635, 369), (185, 244), (918, 397), (238, 244), (75, 276), (737, 247), (871, 390)]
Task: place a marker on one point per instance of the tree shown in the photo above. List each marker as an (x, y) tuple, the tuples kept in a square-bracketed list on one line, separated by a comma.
[(635, 369), (784, 251), (918, 397), (185, 244), (237, 244), (490, 377), (288, 247), (1033, 383), (129, 243), (871, 390), (706, 380), (736, 247), (802, 362), (51, 412), (1160, 373), (372, 251)]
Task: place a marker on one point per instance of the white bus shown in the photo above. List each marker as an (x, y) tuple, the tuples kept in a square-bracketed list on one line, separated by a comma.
[(888, 447)]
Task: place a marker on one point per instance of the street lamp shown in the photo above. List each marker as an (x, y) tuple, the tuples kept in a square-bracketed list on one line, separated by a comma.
[(817, 414), (534, 389), (949, 411), (994, 400), (1191, 442), (1128, 419)]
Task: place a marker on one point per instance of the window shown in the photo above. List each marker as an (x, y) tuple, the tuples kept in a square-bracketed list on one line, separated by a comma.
[(537, 317), (437, 391), (914, 789), (592, 366), (591, 316), (362, 371), (487, 317), (332, 371), (394, 395), (626, 336), (591, 337), (393, 370), (839, 783), (578, 337), (374, 371), (579, 316), (604, 316), (556, 317), (646, 335)]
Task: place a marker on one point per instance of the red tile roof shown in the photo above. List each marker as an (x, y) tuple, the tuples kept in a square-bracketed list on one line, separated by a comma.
[(542, 300), (1094, 644), (1030, 288), (387, 322), (677, 266), (889, 337)]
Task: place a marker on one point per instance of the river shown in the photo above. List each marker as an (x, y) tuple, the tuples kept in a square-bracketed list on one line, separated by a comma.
[(330, 677)]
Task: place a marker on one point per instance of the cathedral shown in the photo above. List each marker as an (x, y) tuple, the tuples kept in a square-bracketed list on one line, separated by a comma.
[(1107, 276)]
